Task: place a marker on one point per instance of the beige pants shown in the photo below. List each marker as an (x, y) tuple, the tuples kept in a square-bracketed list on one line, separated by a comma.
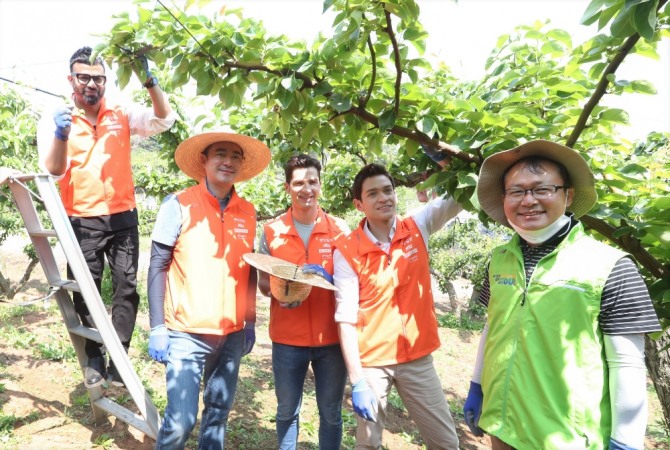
[(421, 392)]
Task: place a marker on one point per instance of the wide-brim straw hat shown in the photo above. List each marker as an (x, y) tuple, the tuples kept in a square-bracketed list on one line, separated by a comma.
[(490, 185), (256, 154), (287, 282)]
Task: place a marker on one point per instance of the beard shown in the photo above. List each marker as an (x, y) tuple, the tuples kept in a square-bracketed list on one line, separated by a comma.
[(91, 99)]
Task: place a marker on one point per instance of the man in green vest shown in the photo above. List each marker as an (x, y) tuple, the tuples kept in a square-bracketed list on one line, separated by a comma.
[(561, 358)]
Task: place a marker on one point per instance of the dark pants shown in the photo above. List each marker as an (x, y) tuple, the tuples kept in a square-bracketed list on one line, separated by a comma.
[(122, 249), (497, 444)]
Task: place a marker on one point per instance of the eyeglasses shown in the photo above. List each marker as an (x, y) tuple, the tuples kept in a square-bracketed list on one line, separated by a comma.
[(84, 78), (541, 192)]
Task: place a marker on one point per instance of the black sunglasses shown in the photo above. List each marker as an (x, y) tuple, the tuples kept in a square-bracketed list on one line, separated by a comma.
[(84, 78)]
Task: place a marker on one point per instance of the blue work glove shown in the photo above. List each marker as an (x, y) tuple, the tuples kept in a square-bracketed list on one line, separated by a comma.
[(616, 445), (319, 270), (249, 337), (63, 120), (145, 65), (290, 305), (364, 400), (434, 154), (159, 344), (473, 408)]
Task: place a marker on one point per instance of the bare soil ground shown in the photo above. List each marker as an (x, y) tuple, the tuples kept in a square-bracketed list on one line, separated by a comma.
[(45, 406)]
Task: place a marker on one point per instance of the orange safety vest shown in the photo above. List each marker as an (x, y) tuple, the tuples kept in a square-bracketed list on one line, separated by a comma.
[(312, 324), (396, 313), (208, 280), (99, 181)]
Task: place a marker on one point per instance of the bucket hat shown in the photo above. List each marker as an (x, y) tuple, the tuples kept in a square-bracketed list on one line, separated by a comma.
[(489, 187), (287, 282), (256, 154)]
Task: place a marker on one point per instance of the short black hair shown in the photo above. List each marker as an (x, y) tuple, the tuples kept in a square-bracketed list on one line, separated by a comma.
[(369, 171), (534, 165), (83, 56), (300, 161)]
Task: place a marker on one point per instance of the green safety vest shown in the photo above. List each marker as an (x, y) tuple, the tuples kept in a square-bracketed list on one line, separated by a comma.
[(545, 380)]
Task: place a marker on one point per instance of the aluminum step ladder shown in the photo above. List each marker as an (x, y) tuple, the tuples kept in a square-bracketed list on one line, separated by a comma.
[(148, 421)]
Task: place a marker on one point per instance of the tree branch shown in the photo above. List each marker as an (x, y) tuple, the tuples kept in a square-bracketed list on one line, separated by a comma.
[(307, 81), (396, 60), (629, 244), (373, 57), (417, 136), (601, 88)]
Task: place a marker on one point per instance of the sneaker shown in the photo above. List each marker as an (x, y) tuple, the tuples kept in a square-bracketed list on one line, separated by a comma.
[(95, 373), (114, 375)]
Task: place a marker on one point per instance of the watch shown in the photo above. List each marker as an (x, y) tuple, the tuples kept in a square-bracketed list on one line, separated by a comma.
[(151, 82)]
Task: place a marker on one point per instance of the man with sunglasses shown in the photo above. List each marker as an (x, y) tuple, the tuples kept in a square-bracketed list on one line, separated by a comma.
[(86, 146), (561, 359)]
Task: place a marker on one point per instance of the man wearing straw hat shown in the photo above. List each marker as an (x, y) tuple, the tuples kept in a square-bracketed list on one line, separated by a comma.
[(305, 333), (202, 294), (385, 312), (561, 359)]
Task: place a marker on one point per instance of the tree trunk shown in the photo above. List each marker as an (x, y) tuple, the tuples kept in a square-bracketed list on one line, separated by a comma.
[(657, 358), (453, 299)]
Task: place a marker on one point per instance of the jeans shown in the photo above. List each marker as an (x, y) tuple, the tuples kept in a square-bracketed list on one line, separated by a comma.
[(289, 367), (122, 251), (219, 356)]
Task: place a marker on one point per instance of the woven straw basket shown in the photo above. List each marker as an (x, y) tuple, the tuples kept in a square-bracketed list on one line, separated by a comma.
[(287, 291)]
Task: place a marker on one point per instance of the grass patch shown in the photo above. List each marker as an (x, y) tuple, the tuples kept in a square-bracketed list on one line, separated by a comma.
[(56, 350), (103, 441), (17, 336), (450, 320)]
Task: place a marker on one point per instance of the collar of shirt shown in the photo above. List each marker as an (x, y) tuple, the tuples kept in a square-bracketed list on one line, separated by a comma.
[(223, 202), (385, 246)]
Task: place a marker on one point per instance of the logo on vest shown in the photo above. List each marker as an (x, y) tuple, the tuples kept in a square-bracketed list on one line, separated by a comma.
[(505, 280)]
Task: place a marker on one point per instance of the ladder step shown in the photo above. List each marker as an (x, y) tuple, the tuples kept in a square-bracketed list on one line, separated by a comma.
[(89, 333), (43, 233), (69, 285), (124, 414)]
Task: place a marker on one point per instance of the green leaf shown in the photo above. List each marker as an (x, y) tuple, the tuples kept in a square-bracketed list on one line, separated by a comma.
[(614, 115), (269, 125), (427, 126), (592, 12), (227, 97), (340, 103), (326, 134), (284, 97), (661, 203), (411, 147), (291, 83), (643, 87), (645, 19), (387, 120), (204, 84), (308, 133), (633, 169), (375, 143), (466, 179), (561, 36), (623, 25), (123, 75), (623, 231)]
